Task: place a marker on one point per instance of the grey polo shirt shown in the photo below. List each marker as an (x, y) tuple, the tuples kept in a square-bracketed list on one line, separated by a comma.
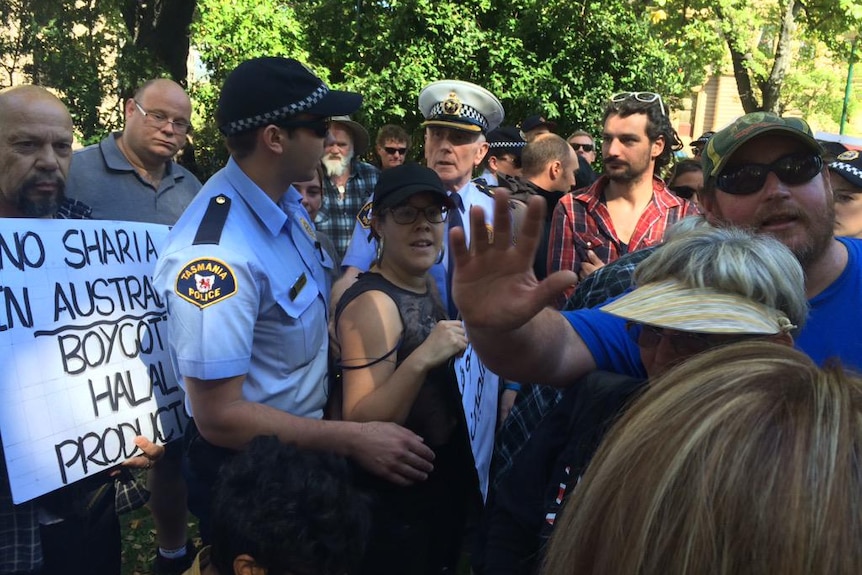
[(102, 177)]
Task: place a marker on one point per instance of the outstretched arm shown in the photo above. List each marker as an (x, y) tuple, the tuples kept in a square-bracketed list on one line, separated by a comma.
[(505, 308)]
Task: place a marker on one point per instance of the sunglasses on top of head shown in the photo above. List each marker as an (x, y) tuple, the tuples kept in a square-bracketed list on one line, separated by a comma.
[(645, 97), (792, 169)]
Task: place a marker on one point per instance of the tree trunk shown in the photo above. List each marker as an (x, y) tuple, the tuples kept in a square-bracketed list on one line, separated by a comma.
[(161, 28), (740, 70), (771, 88)]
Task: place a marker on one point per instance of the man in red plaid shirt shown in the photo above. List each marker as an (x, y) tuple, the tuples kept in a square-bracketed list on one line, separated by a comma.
[(629, 207)]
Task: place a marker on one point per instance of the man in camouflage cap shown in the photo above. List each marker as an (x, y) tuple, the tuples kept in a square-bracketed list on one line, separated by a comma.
[(763, 173)]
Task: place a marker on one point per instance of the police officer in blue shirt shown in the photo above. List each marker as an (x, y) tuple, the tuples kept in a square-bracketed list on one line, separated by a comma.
[(457, 117), (246, 285)]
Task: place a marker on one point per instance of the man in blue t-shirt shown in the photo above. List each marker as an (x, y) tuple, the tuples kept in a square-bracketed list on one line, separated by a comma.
[(763, 172)]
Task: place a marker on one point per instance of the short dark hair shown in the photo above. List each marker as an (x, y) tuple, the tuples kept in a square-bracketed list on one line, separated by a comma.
[(658, 125), (541, 151), (685, 166), (242, 145), (292, 511), (392, 132)]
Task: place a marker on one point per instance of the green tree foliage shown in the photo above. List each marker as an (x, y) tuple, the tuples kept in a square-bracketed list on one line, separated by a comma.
[(781, 51), (562, 59), (559, 58), (225, 33)]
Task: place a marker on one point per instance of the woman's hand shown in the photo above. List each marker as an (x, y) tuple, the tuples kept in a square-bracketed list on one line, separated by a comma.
[(447, 339)]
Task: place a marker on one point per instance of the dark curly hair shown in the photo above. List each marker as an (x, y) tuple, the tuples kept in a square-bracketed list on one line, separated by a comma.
[(292, 511), (658, 124)]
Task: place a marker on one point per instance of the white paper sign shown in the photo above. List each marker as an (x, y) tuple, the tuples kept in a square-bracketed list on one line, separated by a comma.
[(83, 350), (479, 397)]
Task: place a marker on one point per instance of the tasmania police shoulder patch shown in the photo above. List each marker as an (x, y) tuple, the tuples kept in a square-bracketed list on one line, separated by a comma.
[(205, 281), (364, 216)]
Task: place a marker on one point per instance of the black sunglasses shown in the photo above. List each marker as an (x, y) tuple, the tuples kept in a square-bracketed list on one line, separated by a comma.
[(393, 151), (584, 147), (793, 169), (684, 192), (319, 126)]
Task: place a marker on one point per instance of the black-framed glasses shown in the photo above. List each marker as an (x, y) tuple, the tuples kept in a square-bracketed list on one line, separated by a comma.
[(159, 120), (684, 192), (645, 97), (792, 169), (392, 151), (405, 215), (585, 147), (318, 126)]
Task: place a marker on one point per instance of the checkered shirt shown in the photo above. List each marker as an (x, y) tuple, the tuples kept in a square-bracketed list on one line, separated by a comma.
[(582, 221), (337, 218)]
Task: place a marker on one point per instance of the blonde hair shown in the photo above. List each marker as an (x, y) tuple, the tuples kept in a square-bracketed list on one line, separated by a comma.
[(743, 460)]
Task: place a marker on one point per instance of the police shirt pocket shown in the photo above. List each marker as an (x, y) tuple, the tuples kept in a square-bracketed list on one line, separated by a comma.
[(301, 332)]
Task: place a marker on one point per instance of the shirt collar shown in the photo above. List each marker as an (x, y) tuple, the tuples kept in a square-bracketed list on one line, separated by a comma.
[(271, 215)]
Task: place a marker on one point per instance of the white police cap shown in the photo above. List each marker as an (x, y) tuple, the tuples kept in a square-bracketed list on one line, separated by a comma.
[(461, 106)]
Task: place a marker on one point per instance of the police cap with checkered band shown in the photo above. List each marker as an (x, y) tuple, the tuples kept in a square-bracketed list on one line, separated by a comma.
[(267, 90), (848, 165), (461, 106)]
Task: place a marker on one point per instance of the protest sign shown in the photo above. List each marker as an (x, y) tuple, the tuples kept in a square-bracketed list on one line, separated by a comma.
[(479, 396), (82, 344)]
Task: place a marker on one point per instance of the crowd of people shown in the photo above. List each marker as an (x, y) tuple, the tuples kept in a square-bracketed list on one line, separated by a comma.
[(674, 338)]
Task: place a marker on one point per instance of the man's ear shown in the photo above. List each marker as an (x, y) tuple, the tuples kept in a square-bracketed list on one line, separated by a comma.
[(245, 565), (481, 151), (272, 138), (658, 147), (129, 108), (492, 163), (555, 168)]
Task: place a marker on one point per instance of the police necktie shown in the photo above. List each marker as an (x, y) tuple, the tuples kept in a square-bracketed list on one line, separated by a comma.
[(455, 221)]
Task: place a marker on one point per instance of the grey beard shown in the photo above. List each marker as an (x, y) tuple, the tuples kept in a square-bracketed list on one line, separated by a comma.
[(336, 168)]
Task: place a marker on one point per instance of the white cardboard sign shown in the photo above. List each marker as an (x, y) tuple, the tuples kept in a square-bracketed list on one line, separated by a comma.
[(83, 350), (479, 396)]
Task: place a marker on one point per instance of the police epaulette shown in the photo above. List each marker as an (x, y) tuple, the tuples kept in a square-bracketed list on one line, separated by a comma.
[(483, 187), (212, 224)]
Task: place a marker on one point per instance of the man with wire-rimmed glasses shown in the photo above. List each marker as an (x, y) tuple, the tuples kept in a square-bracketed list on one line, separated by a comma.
[(131, 175), (629, 207)]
